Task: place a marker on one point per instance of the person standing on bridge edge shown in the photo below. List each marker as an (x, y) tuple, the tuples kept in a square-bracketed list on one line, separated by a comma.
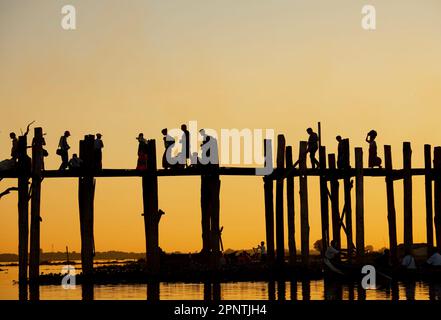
[(63, 150), (374, 160), (142, 152), (169, 143), (14, 149), (312, 147), (185, 143), (98, 150)]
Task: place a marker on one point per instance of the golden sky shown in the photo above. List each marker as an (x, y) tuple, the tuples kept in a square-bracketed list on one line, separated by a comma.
[(138, 66)]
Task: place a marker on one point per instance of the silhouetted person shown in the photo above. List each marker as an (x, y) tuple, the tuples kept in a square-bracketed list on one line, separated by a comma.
[(75, 163), (408, 261), (142, 153), (169, 143), (98, 150), (434, 259), (383, 261), (312, 147), (63, 150), (209, 151), (340, 153), (14, 148), (185, 142), (374, 160), (262, 250)]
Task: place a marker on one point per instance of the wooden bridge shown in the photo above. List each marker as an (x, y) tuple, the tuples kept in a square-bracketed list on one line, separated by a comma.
[(329, 175)]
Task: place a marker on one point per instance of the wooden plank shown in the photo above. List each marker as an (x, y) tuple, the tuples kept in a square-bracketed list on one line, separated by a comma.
[(269, 203), (280, 234), (324, 205), (304, 215), (37, 166), (391, 212), (407, 196), (223, 171), (359, 205), (428, 192), (23, 216), (152, 215), (290, 209), (335, 204), (437, 196)]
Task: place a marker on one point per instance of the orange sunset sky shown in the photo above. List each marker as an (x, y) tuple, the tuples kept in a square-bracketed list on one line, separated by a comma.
[(139, 66)]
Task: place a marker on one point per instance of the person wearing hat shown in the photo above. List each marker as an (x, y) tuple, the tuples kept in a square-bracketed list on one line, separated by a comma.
[(374, 160), (98, 149), (63, 150), (142, 153)]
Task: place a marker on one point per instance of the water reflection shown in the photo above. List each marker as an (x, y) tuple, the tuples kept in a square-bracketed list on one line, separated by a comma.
[(271, 290)]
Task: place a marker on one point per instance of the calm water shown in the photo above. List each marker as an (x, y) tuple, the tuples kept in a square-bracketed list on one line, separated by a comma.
[(306, 290)]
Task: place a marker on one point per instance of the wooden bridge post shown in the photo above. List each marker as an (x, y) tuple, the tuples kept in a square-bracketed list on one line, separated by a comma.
[(269, 201), (428, 191), (23, 216), (152, 215), (347, 185), (437, 220), (290, 209), (86, 195), (359, 204), (214, 185), (37, 167), (391, 213), (304, 218), (280, 235), (324, 204), (205, 216), (407, 196), (335, 206)]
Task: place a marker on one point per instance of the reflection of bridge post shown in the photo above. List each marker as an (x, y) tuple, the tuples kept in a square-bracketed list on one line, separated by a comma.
[(271, 290), (306, 290), (153, 291)]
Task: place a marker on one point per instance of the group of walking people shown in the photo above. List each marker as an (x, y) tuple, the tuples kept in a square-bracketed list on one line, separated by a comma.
[(343, 156), (184, 158), (75, 162)]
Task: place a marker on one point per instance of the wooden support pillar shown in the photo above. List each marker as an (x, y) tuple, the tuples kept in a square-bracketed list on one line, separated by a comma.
[(335, 204), (86, 195), (269, 202), (280, 234), (214, 206), (37, 167), (391, 213), (23, 216), (428, 189), (407, 196), (205, 216), (359, 204), (437, 220), (290, 209), (347, 185), (324, 205), (152, 214), (304, 218)]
